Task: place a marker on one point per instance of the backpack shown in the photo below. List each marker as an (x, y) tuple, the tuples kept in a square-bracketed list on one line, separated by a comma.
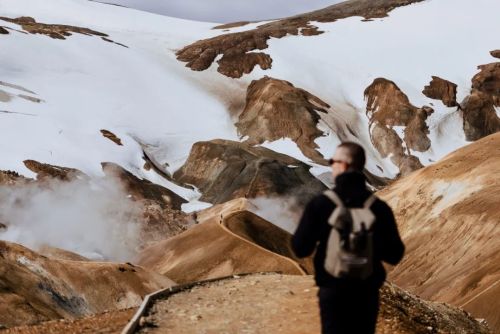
[(349, 251)]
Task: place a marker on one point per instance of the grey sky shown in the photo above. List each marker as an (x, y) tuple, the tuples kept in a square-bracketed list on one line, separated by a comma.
[(224, 11)]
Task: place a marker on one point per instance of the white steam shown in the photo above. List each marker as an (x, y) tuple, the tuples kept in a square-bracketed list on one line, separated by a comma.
[(93, 218), (283, 212)]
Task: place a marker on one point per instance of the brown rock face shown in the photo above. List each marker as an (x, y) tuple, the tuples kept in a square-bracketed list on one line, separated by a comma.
[(480, 118), (235, 48), (235, 66), (47, 171), (448, 217), (441, 89), (56, 31), (34, 288), (144, 189), (4, 31), (224, 170), (495, 53), (387, 106), (10, 178), (488, 81), (111, 136), (276, 109), (161, 215)]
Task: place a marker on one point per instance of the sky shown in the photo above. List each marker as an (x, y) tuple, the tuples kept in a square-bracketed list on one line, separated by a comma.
[(224, 11)]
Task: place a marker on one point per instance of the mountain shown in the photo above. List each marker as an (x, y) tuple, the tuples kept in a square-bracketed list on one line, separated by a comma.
[(34, 288), (114, 123), (74, 95), (448, 216)]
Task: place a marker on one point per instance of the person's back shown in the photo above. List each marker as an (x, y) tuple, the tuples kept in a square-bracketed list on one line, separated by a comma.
[(348, 305)]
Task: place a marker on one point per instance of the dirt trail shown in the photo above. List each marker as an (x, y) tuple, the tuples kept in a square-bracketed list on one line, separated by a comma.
[(274, 303)]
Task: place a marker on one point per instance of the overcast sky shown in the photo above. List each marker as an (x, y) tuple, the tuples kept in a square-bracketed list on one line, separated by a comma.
[(223, 11)]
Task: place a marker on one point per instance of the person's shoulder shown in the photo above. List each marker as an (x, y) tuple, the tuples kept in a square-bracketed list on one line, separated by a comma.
[(380, 207), (320, 200)]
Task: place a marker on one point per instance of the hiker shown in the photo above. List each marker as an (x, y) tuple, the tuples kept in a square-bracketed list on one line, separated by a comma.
[(362, 233)]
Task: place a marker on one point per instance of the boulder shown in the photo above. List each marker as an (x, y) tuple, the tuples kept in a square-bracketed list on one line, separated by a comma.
[(277, 109), (223, 170), (441, 89)]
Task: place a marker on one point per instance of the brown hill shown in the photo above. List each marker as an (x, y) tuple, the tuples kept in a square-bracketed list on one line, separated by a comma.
[(34, 288), (448, 215), (271, 303), (220, 246), (225, 170)]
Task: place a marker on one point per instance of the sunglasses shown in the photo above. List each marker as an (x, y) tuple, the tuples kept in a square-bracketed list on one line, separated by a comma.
[(333, 161)]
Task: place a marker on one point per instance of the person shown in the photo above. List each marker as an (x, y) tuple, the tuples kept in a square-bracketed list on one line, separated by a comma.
[(348, 305)]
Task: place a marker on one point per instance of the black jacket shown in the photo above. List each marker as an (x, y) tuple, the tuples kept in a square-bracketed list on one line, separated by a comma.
[(314, 230)]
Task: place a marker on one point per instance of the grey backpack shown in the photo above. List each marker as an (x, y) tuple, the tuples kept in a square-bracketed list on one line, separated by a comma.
[(349, 252)]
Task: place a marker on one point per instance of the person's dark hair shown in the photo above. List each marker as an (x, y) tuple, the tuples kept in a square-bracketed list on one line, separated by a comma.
[(356, 155)]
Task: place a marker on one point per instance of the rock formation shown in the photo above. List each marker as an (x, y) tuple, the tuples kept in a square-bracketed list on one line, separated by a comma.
[(448, 216), (441, 89), (479, 114), (47, 171), (56, 31), (238, 49), (223, 170), (388, 107), (276, 109)]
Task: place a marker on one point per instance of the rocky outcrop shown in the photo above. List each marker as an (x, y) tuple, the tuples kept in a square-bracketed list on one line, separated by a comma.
[(273, 303), (495, 53), (488, 81), (161, 208), (277, 109), (56, 31), (34, 288), (10, 178), (448, 216), (441, 89), (111, 136), (47, 171), (223, 170), (479, 114), (142, 189), (388, 107), (238, 49)]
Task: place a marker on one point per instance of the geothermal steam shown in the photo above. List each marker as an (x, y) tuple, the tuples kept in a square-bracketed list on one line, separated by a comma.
[(93, 218)]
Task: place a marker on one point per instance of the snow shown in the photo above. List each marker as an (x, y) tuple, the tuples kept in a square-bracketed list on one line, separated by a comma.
[(146, 97), (141, 92), (410, 46)]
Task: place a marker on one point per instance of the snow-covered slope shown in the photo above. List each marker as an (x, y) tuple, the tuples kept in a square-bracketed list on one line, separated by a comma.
[(141, 93), (151, 101)]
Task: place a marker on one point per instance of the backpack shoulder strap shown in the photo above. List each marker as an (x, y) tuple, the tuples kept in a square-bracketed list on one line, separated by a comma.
[(369, 201), (332, 195)]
